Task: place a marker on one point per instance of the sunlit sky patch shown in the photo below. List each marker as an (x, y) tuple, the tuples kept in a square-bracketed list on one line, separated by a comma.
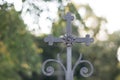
[(17, 4), (104, 8), (118, 54), (110, 9)]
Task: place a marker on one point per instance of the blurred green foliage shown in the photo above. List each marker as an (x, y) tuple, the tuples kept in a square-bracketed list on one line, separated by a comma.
[(22, 54), (18, 53)]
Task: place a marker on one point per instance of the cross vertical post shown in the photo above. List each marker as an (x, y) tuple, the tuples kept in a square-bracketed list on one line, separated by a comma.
[(68, 17), (69, 75)]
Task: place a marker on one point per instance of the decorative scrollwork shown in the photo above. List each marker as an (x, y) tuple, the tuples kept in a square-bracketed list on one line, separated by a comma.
[(49, 70), (84, 71)]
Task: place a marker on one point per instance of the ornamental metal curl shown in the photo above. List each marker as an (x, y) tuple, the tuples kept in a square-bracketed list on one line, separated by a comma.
[(50, 70), (84, 70)]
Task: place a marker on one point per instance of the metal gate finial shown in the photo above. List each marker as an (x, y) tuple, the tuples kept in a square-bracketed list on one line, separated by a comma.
[(68, 39)]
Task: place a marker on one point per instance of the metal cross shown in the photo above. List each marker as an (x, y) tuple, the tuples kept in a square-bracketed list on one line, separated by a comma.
[(68, 39)]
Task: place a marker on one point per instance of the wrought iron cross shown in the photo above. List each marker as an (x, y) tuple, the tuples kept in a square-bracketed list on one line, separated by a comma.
[(68, 39)]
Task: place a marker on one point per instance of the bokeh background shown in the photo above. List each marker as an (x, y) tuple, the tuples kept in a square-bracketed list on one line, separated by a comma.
[(25, 23)]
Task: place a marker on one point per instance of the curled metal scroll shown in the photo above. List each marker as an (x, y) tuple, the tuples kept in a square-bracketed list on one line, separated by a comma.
[(49, 70), (84, 71)]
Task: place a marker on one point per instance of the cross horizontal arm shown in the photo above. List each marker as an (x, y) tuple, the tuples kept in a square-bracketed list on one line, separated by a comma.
[(50, 39), (87, 40)]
